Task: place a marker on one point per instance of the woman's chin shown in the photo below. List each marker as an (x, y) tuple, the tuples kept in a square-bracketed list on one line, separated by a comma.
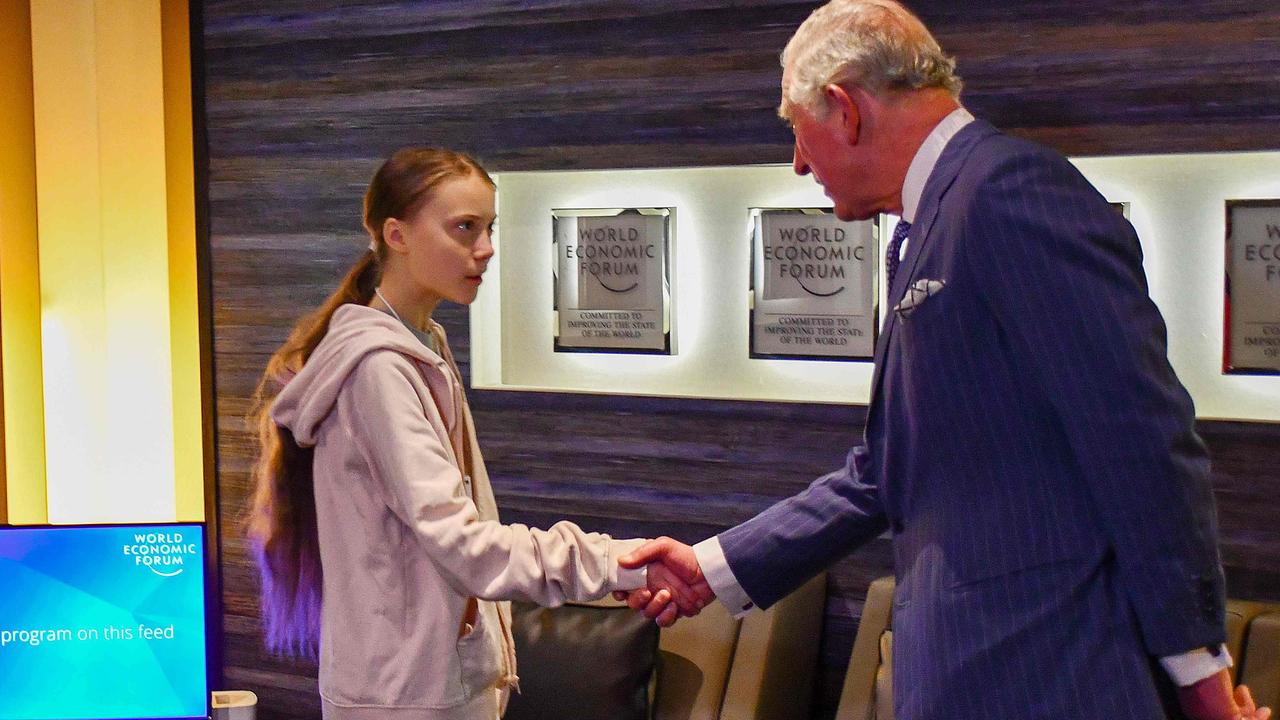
[(464, 296)]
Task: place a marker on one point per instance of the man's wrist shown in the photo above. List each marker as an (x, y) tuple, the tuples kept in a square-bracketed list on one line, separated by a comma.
[(716, 570), (1211, 698), (1187, 669)]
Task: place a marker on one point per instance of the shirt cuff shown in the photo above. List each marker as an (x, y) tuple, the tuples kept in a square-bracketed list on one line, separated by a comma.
[(1191, 667), (715, 568), (627, 579)]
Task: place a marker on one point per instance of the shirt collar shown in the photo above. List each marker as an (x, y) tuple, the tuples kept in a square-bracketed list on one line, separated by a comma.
[(927, 157)]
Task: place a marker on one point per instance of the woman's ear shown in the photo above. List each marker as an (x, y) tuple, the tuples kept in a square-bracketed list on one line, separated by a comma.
[(393, 232)]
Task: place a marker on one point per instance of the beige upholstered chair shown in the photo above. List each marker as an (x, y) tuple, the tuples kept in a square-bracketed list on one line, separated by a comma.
[(1253, 637), (1240, 616), (712, 666), (868, 684), (1259, 664)]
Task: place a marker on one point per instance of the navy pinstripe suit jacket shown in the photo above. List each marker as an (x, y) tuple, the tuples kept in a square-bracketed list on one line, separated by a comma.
[(1033, 453)]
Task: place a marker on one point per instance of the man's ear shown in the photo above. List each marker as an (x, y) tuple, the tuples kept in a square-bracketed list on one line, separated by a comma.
[(845, 106)]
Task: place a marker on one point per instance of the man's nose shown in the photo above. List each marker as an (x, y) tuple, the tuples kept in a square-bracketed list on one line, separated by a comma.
[(798, 161)]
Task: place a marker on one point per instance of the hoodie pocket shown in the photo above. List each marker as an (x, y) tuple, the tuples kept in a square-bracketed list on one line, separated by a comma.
[(480, 653)]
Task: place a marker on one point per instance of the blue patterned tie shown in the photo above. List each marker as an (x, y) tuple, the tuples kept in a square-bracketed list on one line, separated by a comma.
[(891, 258)]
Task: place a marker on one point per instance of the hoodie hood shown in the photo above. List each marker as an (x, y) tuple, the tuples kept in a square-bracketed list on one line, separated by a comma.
[(354, 332)]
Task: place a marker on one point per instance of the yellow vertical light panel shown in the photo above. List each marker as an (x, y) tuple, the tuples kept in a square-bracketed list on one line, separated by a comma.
[(184, 303), (100, 168), (23, 484)]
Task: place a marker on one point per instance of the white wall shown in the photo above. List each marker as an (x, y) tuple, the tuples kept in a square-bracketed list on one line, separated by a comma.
[(1177, 206)]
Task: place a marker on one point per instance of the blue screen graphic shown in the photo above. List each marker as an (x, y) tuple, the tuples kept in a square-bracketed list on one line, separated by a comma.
[(102, 622)]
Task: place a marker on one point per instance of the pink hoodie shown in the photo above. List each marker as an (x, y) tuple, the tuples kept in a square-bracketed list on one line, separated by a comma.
[(406, 540)]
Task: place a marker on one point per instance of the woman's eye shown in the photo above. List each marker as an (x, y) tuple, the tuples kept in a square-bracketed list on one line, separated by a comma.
[(466, 225)]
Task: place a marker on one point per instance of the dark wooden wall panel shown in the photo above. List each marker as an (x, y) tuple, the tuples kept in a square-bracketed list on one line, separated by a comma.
[(601, 84), (304, 97)]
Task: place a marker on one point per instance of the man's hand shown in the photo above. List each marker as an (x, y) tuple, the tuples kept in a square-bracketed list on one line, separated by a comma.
[(1212, 699), (676, 586)]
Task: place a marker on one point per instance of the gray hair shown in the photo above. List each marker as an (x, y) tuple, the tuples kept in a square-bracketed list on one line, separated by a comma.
[(877, 44)]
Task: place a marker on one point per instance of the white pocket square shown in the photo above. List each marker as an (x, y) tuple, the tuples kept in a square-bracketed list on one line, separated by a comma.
[(919, 291)]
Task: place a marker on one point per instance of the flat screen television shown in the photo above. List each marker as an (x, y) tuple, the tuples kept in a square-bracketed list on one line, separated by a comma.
[(103, 622)]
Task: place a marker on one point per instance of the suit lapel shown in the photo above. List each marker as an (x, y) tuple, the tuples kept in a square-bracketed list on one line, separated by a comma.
[(935, 188)]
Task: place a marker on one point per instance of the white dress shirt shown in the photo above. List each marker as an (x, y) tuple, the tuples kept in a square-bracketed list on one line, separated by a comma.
[(1186, 669)]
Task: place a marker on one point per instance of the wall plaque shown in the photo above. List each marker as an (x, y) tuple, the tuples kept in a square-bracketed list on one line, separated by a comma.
[(612, 279), (813, 290), (1252, 332)]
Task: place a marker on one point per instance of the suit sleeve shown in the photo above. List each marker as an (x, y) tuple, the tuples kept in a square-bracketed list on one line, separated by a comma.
[(780, 549), (1062, 273), (408, 455)]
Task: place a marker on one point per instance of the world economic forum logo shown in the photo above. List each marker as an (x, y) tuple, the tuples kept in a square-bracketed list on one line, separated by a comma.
[(164, 553)]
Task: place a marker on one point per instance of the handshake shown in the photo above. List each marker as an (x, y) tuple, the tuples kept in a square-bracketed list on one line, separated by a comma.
[(676, 586)]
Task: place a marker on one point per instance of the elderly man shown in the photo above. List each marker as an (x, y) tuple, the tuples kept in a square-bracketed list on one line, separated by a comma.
[(1027, 443)]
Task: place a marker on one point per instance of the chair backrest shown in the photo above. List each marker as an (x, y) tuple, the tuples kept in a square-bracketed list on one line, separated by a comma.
[(695, 657), (868, 684), (1240, 615), (551, 647), (776, 658), (716, 667), (1253, 638), (1260, 658)]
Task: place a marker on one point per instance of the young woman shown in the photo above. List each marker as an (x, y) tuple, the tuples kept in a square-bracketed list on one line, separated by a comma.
[(373, 519)]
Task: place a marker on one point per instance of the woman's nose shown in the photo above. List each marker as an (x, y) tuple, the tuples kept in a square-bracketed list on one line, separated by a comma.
[(484, 247)]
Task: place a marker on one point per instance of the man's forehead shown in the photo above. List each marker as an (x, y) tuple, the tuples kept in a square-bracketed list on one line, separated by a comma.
[(784, 107)]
